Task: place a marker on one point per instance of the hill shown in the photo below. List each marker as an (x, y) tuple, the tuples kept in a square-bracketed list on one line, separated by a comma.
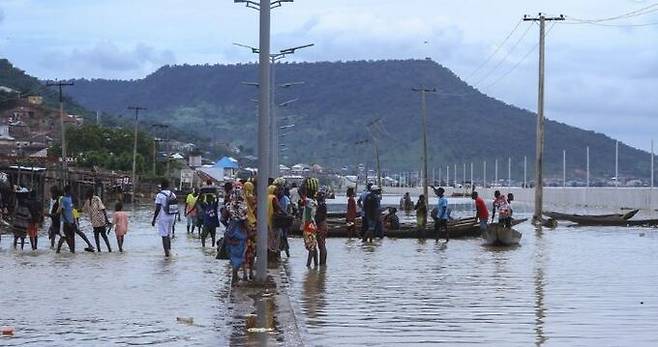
[(209, 103)]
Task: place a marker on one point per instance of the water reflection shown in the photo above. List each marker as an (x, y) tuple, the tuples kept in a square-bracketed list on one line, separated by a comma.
[(540, 311), (313, 299)]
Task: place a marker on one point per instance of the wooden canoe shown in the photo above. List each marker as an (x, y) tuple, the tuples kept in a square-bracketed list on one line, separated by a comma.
[(606, 219), (497, 235), (458, 228)]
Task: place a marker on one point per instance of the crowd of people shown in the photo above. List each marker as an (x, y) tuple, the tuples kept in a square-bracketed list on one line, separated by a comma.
[(205, 212)]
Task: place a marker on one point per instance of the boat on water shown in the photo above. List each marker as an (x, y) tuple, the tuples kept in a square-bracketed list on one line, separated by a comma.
[(458, 228), (498, 235), (603, 219)]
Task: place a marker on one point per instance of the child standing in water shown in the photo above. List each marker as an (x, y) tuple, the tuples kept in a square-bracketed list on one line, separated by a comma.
[(120, 221)]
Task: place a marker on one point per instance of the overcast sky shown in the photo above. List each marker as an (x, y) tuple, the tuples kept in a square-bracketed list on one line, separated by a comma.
[(603, 78)]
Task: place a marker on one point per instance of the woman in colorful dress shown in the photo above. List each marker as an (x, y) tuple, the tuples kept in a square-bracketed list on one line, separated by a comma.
[(250, 254), (308, 226), (236, 232), (273, 231)]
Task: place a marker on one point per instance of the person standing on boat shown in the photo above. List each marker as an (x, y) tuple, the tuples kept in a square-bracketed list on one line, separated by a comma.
[(481, 214), (372, 213), (441, 223), (421, 213), (501, 205)]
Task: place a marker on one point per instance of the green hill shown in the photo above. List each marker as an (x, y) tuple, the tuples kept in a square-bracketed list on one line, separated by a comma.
[(209, 103)]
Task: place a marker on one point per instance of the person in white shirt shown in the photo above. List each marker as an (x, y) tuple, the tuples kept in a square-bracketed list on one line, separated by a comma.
[(166, 208)]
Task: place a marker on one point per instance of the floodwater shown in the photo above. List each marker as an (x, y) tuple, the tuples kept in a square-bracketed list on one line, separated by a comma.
[(134, 298), (567, 286)]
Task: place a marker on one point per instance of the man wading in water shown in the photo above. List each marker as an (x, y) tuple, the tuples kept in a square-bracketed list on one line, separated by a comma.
[(442, 214), (166, 208)]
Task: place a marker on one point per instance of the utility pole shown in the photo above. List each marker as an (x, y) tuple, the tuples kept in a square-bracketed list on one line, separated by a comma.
[(134, 176), (539, 174), (423, 99), (509, 173), (496, 172), (60, 85), (587, 177), (564, 168), (525, 171), (617, 163)]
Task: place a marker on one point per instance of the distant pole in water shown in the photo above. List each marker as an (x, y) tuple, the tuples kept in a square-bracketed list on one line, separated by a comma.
[(447, 175), (564, 168), (587, 177), (484, 174), (62, 127), (495, 171), (433, 175), (464, 177), (423, 99), (509, 173), (472, 185), (525, 171), (616, 163), (134, 172), (651, 182), (455, 174), (440, 174), (539, 174)]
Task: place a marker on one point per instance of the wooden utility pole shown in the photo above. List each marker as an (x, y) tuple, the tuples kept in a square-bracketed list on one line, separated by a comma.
[(539, 174), (423, 99), (60, 85), (134, 173)]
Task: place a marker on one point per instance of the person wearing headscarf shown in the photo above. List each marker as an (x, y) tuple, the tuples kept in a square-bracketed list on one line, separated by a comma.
[(250, 253), (236, 235), (274, 232)]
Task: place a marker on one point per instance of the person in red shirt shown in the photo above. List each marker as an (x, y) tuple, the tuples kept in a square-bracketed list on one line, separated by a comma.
[(350, 217), (482, 213)]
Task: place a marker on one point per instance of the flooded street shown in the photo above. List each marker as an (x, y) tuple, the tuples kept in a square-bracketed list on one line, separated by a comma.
[(567, 286), (133, 298)]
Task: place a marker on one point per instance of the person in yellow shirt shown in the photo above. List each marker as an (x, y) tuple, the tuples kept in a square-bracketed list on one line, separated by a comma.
[(191, 210)]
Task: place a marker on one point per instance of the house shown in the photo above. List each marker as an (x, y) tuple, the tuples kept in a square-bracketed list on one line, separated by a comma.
[(229, 166)]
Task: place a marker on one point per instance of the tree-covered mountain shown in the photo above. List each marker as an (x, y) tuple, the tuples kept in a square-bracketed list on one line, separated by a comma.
[(24, 85), (338, 100)]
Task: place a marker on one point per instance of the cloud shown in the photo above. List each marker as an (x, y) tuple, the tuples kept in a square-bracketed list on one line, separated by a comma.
[(106, 59)]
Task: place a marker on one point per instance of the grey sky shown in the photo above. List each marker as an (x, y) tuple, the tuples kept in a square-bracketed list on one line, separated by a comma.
[(598, 77)]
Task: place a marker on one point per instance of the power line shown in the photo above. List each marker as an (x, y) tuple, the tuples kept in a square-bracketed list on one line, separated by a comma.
[(500, 45), (636, 13), (509, 52), (532, 50)]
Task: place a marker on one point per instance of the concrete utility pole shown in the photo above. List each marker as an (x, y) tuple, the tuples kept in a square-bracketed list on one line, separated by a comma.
[(564, 168), (423, 100), (264, 132), (509, 172), (134, 173), (616, 163), (60, 85), (496, 171), (525, 172), (155, 141), (587, 177), (539, 174), (274, 124)]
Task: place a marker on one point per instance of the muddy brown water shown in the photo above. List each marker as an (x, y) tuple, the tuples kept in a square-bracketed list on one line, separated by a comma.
[(567, 286)]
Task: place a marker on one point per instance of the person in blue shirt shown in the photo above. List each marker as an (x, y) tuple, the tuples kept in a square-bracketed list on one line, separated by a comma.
[(441, 224), (70, 226)]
